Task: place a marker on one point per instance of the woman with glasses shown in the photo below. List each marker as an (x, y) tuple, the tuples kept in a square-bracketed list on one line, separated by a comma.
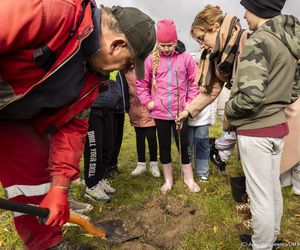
[(166, 89), (221, 38)]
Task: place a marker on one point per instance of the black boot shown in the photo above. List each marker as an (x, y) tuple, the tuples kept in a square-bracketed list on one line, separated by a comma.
[(215, 158)]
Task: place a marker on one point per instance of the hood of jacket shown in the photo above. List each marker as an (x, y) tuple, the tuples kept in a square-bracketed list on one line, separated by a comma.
[(180, 48), (287, 29)]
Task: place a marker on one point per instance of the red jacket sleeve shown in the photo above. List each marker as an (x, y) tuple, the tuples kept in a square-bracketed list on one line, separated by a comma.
[(67, 143), (66, 148)]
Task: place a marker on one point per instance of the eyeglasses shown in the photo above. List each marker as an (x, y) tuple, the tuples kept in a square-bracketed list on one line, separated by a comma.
[(200, 39)]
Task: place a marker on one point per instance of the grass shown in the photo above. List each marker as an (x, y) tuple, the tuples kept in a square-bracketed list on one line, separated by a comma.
[(214, 201), (8, 237)]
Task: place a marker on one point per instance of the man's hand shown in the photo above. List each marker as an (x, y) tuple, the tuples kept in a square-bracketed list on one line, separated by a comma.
[(150, 105), (57, 202)]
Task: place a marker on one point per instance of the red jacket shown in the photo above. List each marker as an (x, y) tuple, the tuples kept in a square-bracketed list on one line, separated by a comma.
[(37, 38)]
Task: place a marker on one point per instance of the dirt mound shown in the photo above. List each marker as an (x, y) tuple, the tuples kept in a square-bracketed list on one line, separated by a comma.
[(161, 222)]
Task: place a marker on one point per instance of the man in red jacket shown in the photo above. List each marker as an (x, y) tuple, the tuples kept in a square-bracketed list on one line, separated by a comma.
[(54, 56)]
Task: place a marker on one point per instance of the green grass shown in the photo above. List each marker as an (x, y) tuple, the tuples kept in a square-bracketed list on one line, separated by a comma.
[(8, 237), (214, 201)]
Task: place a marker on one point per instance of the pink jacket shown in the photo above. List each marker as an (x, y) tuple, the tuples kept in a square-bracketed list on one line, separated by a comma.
[(139, 115), (165, 96)]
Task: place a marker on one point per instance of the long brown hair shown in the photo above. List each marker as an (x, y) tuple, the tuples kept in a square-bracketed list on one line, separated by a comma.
[(206, 19)]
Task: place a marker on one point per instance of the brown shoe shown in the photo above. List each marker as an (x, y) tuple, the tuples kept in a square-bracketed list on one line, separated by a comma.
[(245, 227), (243, 208)]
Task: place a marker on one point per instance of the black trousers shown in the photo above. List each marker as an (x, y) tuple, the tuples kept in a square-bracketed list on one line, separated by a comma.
[(118, 127), (141, 134), (164, 128), (98, 146)]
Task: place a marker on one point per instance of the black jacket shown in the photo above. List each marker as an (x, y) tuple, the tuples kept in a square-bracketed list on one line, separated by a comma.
[(116, 98)]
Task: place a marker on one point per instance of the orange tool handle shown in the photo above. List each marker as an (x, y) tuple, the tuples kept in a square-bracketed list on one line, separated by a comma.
[(87, 225)]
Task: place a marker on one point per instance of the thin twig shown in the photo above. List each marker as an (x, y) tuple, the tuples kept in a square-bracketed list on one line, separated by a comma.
[(161, 101), (178, 128)]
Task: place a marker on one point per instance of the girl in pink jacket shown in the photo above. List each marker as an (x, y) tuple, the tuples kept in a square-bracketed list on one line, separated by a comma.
[(166, 89)]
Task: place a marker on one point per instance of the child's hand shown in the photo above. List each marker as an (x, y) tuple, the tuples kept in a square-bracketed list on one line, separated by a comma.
[(179, 125), (182, 116), (150, 105)]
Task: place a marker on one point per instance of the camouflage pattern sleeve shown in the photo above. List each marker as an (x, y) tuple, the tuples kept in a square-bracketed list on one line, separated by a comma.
[(249, 87), (296, 85)]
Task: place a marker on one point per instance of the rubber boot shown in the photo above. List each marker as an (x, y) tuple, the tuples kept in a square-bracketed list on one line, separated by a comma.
[(188, 178), (168, 175)]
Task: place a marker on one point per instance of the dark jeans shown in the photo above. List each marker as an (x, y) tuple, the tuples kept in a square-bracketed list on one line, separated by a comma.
[(199, 147), (141, 135), (164, 128)]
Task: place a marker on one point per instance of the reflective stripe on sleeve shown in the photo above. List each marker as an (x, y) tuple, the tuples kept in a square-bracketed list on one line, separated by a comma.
[(27, 190)]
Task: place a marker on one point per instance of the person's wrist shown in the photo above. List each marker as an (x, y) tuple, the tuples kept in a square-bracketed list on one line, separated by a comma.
[(187, 113), (60, 187), (60, 181)]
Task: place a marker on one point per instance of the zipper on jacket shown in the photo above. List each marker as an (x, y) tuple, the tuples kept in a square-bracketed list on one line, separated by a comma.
[(169, 89), (123, 94), (89, 91)]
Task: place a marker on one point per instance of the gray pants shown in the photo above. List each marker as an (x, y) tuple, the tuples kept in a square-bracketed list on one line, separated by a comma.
[(260, 158)]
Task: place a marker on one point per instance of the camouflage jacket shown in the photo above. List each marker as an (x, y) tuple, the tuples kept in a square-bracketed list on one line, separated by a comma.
[(267, 77)]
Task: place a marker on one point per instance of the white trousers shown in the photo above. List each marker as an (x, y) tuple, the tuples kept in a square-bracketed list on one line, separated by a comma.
[(260, 158)]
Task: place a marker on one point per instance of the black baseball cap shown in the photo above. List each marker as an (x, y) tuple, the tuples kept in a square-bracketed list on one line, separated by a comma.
[(139, 30)]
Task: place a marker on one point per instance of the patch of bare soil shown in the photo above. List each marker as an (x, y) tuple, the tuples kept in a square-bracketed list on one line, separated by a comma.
[(160, 223)]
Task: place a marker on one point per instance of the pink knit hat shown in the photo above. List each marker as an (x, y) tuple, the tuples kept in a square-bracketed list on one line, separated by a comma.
[(166, 31)]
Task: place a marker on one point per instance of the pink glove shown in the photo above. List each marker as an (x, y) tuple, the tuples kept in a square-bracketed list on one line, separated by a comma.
[(57, 202)]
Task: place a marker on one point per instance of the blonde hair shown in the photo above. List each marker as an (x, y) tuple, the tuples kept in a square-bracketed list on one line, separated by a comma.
[(206, 19), (155, 61)]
